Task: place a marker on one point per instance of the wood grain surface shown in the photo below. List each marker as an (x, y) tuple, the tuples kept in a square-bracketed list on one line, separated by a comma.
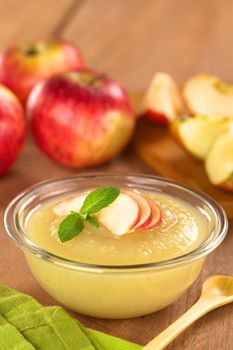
[(130, 39)]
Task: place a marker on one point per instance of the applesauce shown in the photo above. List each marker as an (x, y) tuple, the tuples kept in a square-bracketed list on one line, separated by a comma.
[(182, 229), (117, 277)]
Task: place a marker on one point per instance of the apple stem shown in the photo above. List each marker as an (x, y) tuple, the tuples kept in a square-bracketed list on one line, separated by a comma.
[(96, 78), (32, 51)]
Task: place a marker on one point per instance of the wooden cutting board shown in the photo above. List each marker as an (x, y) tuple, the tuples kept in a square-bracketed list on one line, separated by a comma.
[(155, 145)]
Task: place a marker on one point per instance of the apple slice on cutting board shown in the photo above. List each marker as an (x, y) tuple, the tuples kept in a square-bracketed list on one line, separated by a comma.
[(219, 162), (197, 133), (206, 94), (162, 101)]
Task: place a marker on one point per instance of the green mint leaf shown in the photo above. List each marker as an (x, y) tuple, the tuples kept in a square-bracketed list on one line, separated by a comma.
[(70, 227), (93, 221), (99, 199)]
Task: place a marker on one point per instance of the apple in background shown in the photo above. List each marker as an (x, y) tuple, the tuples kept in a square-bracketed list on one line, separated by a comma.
[(22, 66), (12, 128), (162, 102), (80, 118)]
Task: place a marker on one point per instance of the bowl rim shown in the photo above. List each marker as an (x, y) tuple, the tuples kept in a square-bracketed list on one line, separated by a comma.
[(180, 260)]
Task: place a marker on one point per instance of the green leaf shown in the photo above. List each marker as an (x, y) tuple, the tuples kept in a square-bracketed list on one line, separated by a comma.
[(99, 199), (70, 227), (93, 221)]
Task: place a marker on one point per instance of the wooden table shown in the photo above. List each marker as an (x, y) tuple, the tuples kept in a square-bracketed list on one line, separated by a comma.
[(130, 39)]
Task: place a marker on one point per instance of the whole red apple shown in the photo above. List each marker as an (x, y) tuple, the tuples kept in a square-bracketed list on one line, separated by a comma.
[(80, 118), (12, 128), (22, 66)]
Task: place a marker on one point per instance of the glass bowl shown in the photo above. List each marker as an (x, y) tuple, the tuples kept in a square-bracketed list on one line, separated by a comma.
[(114, 291)]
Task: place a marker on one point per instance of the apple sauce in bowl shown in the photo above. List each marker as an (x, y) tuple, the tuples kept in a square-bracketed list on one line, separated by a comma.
[(138, 260)]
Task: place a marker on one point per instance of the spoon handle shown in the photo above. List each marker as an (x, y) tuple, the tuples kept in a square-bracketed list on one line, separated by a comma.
[(163, 339)]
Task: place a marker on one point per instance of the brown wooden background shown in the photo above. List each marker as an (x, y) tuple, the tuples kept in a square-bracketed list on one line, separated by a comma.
[(130, 39)]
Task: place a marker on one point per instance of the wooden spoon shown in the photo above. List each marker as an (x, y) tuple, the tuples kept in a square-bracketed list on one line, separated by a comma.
[(216, 291)]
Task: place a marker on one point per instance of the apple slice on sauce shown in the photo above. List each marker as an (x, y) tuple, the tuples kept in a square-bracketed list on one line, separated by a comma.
[(156, 215), (145, 210), (151, 215), (120, 216), (65, 207), (129, 212)]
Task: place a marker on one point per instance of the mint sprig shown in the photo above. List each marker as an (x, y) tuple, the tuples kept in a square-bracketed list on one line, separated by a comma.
[(73, 224)]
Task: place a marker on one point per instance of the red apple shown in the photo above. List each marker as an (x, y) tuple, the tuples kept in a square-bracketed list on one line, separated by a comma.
[(22, 66), (80, 118), (12, 128)]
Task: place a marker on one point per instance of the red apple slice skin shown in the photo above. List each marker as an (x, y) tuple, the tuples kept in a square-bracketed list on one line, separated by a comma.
[(144, 207), (156, 216), (141, 225), (155, 116)]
